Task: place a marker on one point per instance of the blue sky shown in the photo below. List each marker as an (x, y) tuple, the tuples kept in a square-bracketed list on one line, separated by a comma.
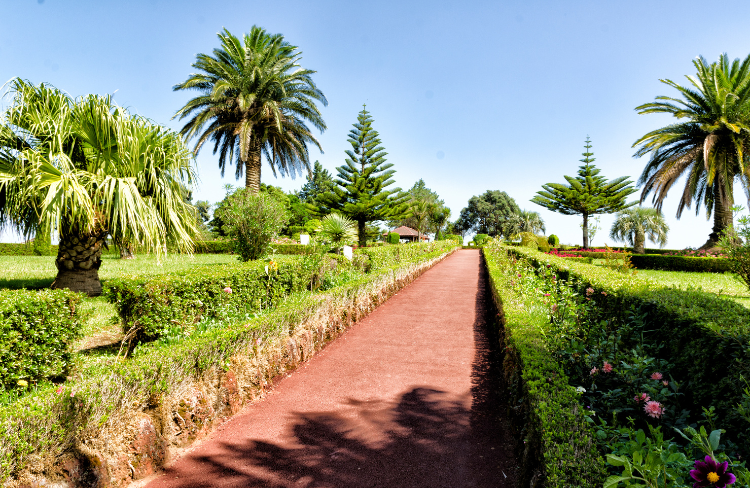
[(469, 96)]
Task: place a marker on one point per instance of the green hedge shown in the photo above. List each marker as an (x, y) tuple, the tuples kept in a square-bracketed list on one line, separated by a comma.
[(705, 336), (680, 263), (36, 332), (559, 447), (9, 249), (226, 247), (581, 259), (156, 304), (391, 255)]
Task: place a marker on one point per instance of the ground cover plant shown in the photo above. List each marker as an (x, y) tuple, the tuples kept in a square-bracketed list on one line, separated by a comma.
[(637, 388), (191, 377)]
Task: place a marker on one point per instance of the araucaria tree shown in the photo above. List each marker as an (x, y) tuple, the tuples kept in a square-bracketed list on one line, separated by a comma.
[(586, 194), (710, 146), (633, 225), (361, 186), (254, 99), (86, 169)]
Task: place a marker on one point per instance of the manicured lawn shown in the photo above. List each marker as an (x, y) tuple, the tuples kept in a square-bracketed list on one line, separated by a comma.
[(724, 284)]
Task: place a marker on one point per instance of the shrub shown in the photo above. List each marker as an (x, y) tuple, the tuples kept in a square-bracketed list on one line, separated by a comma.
[(252, 220), (553, 241), (36, 332), (42, 244), (736, 245), (529, 240), (393, 238), (681, 263), (388, 256), (11, 249), (481, 239), (156, 305), (542, 243), (338, 229)]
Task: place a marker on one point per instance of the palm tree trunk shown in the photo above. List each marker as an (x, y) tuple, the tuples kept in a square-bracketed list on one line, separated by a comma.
[(362, 233), (639, 245), (252, 167), (722, 216), (78, 261), (585, 231)]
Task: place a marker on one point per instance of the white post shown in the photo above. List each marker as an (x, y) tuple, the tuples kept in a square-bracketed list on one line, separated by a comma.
[(348, 252), (304, 239)]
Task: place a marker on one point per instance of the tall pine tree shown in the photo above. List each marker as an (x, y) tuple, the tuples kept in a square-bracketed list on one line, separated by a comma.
[(587, 194), (360, 191)]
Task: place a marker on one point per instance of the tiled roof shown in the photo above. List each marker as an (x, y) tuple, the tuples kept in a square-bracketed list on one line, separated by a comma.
[(405, 231)]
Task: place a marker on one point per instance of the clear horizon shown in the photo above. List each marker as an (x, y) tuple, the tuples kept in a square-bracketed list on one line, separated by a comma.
[(492, 96)]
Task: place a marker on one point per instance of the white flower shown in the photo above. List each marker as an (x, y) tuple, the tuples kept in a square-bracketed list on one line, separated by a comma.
[(580, 390)]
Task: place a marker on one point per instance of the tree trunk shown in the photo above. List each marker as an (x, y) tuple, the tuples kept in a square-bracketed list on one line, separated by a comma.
[(252, 167), (639, 244), (722, 216), (585, 231), (362, 233), (78, 261)]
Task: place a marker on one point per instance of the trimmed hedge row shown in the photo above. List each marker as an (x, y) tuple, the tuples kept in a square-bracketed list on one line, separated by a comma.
[(559, 445), (153, 305), (705, 336), (227, 247), (37, 329), (680, 263), (387, 256), (217, 370)]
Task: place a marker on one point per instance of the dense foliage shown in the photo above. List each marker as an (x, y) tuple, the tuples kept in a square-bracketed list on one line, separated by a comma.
[(493, 213), (634, 224), (37, 329)]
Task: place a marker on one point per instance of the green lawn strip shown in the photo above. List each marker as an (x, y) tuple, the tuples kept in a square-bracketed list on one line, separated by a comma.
[(560, 450), (51, 421), (705, 336)]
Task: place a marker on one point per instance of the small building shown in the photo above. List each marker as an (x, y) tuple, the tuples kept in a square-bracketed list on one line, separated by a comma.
[(407, 234)]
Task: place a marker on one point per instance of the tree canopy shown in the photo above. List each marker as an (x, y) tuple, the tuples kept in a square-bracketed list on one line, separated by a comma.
[(319, 181), (254, 99), (586, 194), (633, 225), (361, 186), (710, 146), (491, 213)]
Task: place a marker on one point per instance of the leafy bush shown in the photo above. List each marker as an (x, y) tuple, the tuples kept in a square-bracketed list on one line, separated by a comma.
[(481, 239), (156, 305), (338, 229), (736, 244), (252, 220), (553, 240), (542, 243), (393, 238), (9, 249), (36, 332), (388, 256), (681, 263), (529, 240)]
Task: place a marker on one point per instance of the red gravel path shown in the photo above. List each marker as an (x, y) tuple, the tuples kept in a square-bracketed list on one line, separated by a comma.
[(406, 398)]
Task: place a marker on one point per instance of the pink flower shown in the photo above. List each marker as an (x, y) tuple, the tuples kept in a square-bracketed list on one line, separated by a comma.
[(589, 291), (554, 307), (653, 409), (593, 371), (656, 376), (643, 397), (604, 293), (59, 390), (546, 294), (665, 383), (228, 290), (607, 368)]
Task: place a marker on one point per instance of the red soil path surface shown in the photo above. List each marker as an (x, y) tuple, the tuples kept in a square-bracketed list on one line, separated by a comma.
[(408, 397)]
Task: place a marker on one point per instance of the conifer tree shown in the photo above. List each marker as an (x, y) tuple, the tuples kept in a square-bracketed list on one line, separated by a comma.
[(318, 182), (587, 194), (360, 191)]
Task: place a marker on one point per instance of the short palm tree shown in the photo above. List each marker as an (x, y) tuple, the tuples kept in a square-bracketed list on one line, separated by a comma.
[(710, 147), (635, 224), (86, 169), (254, 99), (420, 211), (528, 221), (338, 229)]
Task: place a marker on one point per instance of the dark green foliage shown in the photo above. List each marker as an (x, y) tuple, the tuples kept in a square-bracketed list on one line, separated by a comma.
[(587, 194), (393, 238), (360, 191), (37, 329), (706, 337), (157, 304), (680, 263), (227, 247), (252, 220), (491, 213), (42, 243), (559, 445), (553, 240), (481, 239), (319, 182), (9, 249)]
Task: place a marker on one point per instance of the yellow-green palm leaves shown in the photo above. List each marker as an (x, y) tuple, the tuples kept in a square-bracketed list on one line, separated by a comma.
[(76, 166), (254, 98), (709, 146)]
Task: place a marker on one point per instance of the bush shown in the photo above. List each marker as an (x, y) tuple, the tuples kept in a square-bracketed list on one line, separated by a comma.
[(9, 249), (481, 239), (529, 240), (553, 241), (393, 238), (157, 305), (37, 329), (681, 263), (542, 243), (42, 244), (252, 220), (388, 256)]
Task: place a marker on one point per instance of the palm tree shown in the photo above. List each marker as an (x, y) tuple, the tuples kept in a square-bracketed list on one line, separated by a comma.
[(710, 147), (528, 221), (86, 169), (420, 211), (338, 229), (634, 224), (254, 98)]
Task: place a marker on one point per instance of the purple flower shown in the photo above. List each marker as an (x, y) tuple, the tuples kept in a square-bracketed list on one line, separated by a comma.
[(711, 474)]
